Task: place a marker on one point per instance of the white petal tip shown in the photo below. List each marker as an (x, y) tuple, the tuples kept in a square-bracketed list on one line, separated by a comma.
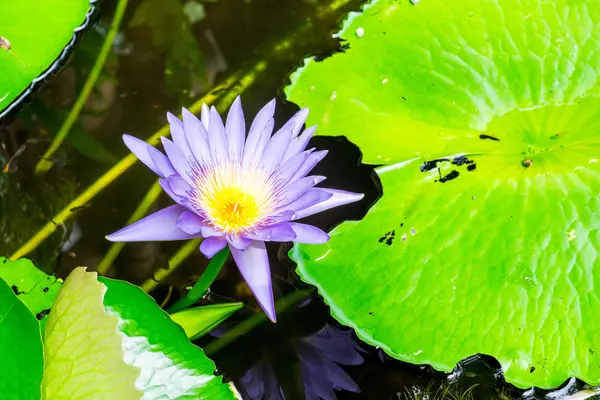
[(272, 318)]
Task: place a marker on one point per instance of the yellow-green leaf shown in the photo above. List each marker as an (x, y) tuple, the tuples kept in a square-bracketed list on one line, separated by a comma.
[(199, 321), (83, 348)]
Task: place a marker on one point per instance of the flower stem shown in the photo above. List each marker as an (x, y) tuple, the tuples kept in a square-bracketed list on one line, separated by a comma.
[(46, 162), (174, 262), (139, 212), (201, 286), (246, 326)]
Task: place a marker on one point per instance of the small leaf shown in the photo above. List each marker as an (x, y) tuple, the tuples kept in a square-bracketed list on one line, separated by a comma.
[(34, 288), (20, 348), (198, 321)]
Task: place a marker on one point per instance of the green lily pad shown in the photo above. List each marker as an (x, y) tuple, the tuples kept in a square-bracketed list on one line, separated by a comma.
[(20, 348), (35, 35), (107, 339), (486, 238)]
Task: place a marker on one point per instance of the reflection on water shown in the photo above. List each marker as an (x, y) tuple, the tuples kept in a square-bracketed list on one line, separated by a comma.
[(318, 357)]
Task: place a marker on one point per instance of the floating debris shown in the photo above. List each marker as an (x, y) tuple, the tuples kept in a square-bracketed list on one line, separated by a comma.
[(4, 44), (528, 162), (360, 32)]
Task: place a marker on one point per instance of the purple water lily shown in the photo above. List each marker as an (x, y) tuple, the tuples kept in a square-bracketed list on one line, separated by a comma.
[(236, 190)]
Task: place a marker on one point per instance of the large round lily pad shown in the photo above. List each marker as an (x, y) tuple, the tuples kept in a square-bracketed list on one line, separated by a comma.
[(34, 36), (486, 237)]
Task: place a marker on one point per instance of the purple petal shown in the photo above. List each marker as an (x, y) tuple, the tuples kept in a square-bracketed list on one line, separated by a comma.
[(308, 234), (260, 131), (308, 199), (284, 216), (299, 144), (167, 189), (298, 188), (256, 158), (204, 115), (162, 162), (316, 381), (190, 223), (216, 138), (239, 242), (275, 149), (338, 198), (178, 160), (140, 149), (309, 164), (178, 185), (336, 344), (212, 245), (253, 264), (235, 129), (178, 135), (197, 137), (295, 123), (291, 166), (339, 377), (209, 231), (162, 225), (274, 233), (179, 196)]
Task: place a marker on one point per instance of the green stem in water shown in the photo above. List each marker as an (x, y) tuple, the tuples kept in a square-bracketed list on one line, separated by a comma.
[(46, 162), (140, 211), (232, 86), (112, 174), (255, 320), (201, 286), (173, 263)]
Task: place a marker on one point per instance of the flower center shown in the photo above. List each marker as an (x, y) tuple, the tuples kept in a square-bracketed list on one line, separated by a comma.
[(232, 210)]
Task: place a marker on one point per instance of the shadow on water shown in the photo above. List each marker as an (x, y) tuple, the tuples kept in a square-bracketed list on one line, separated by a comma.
[(153, 71)]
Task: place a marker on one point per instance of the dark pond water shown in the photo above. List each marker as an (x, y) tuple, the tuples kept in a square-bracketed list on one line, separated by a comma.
[(163, 61)]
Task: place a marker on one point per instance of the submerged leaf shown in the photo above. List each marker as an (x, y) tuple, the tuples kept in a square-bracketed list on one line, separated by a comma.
[(485, 240), (171, 29)]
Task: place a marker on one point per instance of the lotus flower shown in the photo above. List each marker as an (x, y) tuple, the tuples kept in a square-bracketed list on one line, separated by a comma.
[(234, 190)]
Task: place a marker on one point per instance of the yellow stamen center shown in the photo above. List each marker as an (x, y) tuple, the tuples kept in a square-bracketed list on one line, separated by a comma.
[(234, 200), (232, 210)]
